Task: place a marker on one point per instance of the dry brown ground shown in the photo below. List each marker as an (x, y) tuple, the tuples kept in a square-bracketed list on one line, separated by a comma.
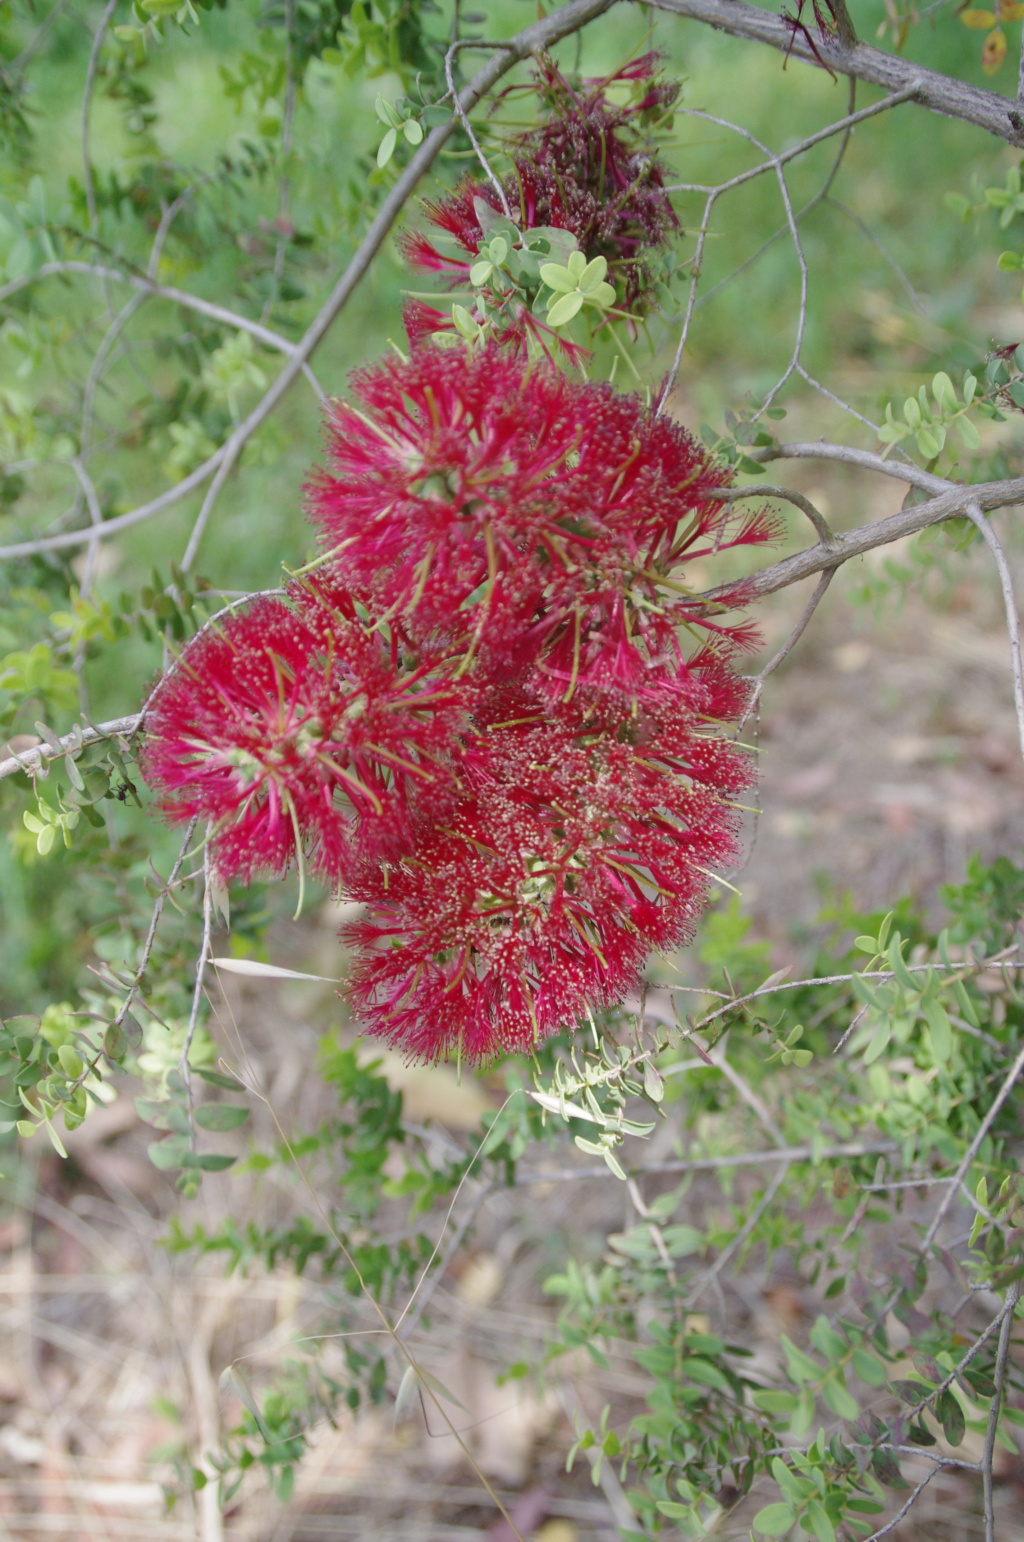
[(888, 754)]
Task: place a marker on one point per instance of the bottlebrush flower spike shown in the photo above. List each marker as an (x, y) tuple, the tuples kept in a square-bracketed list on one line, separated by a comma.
[(523, 516), (571, 855), (297, 736)]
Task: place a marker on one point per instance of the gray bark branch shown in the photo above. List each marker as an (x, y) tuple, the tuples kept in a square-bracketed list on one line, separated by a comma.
[(882, 532), (998, 115)]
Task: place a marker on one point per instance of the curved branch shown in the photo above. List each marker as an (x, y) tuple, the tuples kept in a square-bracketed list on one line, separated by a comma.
[(824, 531), (998, 115), (191, 302), (541, 34), (902, 471), (953, 502), (994, 545)]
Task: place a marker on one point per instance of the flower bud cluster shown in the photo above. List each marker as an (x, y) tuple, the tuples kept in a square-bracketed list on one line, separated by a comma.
[(474, 714)]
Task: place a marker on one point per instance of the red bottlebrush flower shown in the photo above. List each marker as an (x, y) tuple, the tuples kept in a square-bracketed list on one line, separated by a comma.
[(571, 855), (423, 322), (524, 516), (298, 736), (439, 485), (587, 169)]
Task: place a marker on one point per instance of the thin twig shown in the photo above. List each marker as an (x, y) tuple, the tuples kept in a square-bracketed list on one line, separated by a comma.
[(284, 182), (849, 455), (29, 760), (463, 117), (821, 525), (837, 401), (994, 545), (221, 475), (540, 34), (788, 1154), (770, 163), (90, 82), (158, 907), (741, 1236), (843, 125), (401, 1344), (968, 966), (972, 1150), (846, 127), (149, 287), (747, 1095), (939, 93), (995, 1408), (908, 1504), (950, 503), (201, 963), (788, 646)]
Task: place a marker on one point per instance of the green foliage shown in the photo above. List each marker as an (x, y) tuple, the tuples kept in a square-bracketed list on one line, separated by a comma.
[(907, 1051), (927, 418), (234, 166)]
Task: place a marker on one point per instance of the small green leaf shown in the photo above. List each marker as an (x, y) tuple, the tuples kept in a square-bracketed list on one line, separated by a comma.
[(169, 1154), (774, 1520), (557, 278), (115, 1041), (819, 1522), (838, 1398), (413, 131), (969, 436), (71, 1061), (682, 1241), (593, 275), (940, 1030), (220, 1116), (801, 1367), (469, 328), (653, 1084), (565, 308), (218, 1079), (827, 1341), (771, 1400), (1010, 262), (944, 392), (706, 1374), (54, 1138), (387, 147), (868, 1367), (214, 1162), (951, 1416)]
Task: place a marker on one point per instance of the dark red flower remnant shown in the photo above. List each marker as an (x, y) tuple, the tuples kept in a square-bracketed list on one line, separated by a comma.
[(474, 714), (590, 168)]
